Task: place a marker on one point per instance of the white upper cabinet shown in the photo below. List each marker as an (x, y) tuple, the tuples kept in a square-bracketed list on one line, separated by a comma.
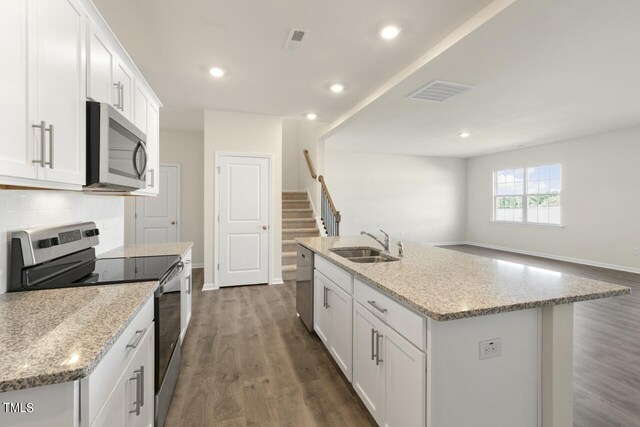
[(16, 154), (100, 67), (59, 69), (56, 54), (147, 118), (123, 90)]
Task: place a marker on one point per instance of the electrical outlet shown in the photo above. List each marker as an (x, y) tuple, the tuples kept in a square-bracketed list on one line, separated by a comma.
[(491, 348), (635, 251)]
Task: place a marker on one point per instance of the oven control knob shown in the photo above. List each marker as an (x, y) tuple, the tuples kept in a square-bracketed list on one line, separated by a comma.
[(47, 243), (93, 232)]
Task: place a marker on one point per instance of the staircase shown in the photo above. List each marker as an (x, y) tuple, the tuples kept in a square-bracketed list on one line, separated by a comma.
[(297, 221)]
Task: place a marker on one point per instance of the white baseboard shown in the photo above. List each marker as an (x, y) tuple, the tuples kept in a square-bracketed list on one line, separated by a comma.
[(558, 257), (445, 243), (209, 287), (277, 281)]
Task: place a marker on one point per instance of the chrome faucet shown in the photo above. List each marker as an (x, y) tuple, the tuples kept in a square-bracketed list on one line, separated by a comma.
[(387, 239)]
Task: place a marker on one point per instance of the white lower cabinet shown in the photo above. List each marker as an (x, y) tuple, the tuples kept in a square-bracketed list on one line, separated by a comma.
[(389, 373), (332, 320)]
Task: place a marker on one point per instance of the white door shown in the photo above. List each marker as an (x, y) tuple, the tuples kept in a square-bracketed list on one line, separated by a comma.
[(404, 381), (157, 217), (16, 150), (321, 315), (340, 336), (367, 374), (61, 91), (244, 220)]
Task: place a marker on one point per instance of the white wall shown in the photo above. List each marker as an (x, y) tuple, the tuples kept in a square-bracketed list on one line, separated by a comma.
[(24, 209), (600, 200), (416, 198), (241, 133), (291, 153)]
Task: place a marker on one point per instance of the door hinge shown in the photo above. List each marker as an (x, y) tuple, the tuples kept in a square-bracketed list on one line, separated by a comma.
[(218, 218), (218, 266), (135, 215), (218, 167)]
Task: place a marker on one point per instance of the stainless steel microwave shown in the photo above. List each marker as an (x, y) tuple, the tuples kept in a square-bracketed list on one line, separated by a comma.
[(116, 151)]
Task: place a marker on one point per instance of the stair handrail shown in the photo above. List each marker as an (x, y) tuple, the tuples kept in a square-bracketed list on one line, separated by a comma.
[(329, 214), (312, 171)]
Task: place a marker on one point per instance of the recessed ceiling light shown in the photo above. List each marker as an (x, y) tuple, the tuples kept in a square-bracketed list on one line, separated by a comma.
[(389, 32), (465, 134), (216, 72), (312, 116), (337, 88)]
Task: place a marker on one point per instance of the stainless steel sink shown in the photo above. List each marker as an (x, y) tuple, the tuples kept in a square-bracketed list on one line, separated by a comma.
[(364, 255)]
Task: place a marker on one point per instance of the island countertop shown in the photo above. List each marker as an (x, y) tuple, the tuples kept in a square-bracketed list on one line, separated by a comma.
[(58, 335), (149, 249), (447, 285)]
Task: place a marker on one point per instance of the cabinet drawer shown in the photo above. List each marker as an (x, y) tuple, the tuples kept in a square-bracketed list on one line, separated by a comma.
[(408, 323), (337, 275), (96, 388)]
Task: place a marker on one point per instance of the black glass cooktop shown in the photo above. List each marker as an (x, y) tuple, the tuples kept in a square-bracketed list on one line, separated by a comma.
[(78, 270)]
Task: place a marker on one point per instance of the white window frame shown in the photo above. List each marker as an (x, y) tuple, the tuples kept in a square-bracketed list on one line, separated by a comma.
[(524, 196)]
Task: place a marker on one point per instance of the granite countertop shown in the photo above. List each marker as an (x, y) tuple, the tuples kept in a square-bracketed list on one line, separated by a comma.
[(154, 249), (447, 285), (59, 335)]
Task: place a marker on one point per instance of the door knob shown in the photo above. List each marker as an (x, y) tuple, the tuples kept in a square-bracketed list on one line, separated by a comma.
[(265, 227), (173, 223)]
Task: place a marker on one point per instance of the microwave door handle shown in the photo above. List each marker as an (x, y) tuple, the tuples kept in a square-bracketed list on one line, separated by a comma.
[(146, 158), (135, 156)]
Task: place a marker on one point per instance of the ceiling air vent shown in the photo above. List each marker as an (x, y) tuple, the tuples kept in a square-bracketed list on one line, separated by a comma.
[(296, 38), (439, 91)]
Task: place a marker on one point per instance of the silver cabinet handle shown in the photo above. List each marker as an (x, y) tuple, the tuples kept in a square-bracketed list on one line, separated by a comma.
[(118, 104), (376, 306), (51, 146), (42, 126), (189, 287), (153, 175), (324, 296), (138, 378), (373, 334), (140, 334), (378, 360), (121, 97)]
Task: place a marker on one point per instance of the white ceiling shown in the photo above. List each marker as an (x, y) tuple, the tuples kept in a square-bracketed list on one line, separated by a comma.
[(174, 43), (543, 70)]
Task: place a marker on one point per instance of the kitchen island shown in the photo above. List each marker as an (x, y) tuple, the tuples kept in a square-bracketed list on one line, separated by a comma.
[(479, 341)]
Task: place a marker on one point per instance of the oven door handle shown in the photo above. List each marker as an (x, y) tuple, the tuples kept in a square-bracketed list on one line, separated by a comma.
[(177, 270)]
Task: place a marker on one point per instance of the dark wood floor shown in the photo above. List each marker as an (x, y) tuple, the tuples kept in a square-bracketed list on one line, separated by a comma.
[(606, 369), (247, 359)]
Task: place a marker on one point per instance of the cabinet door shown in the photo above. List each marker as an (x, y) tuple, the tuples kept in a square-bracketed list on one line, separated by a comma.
[(140, 395), (100, 67), (61, 90), (16, 149), (123, 90), (404, 381), (341, 328), (320, 310), (113, 411), (141, 106), (153, 148), (185, 304), (367, 374)]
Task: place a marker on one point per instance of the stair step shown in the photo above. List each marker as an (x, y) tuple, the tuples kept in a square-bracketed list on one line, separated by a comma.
[(289, 272), (289, 258), (297, 213), (288, 223), (294, 195), (295, 204), (289, 245), (289, 234)]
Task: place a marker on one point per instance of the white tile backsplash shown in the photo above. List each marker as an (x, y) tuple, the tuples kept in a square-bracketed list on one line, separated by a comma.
[(33, 208)]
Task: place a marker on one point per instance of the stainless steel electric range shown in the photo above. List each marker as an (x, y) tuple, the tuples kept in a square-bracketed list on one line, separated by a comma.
[(65, 256)]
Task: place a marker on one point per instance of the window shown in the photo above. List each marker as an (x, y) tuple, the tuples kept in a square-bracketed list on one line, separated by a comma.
[(528, 195)]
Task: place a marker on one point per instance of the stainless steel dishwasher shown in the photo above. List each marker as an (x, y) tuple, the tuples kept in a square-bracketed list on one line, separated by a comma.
[(304, 286)]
